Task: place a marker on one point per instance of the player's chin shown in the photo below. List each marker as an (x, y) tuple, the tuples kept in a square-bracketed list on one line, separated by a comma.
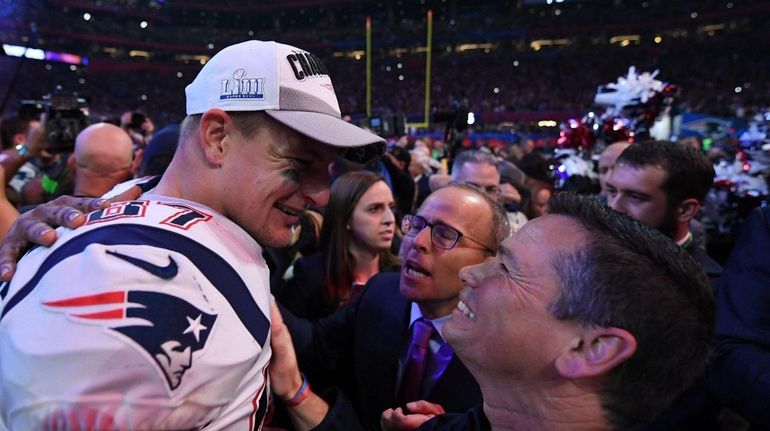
[(277, 235)]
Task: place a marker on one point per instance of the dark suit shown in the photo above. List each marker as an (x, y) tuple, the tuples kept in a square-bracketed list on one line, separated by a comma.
[(740, 373), (361, 346), (304, 294)]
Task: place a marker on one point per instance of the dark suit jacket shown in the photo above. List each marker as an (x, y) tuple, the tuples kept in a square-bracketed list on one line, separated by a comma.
[(304, 295), (361, 345), (740, 373)]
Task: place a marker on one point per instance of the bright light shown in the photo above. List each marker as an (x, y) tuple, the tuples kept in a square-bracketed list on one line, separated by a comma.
[(81, 81), (547, 123), (143, 97), (694, 15), (557, 12), (400, 77), (210, 46), (516, 63), (471, 118), (143, 24), (358, 56), (387, 68), (738, 89), (658, 39), (400, 66), (73, 67), (496, 90), (179, 74), (87, 16)]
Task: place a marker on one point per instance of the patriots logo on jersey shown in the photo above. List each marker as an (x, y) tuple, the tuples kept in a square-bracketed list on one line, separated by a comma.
[(167, 327)]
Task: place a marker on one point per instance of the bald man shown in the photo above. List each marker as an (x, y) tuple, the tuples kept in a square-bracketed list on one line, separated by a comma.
[(607, 161), (103, 157)]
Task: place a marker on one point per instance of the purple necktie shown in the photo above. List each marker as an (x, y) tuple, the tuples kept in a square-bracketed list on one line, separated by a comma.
[(417, 358)]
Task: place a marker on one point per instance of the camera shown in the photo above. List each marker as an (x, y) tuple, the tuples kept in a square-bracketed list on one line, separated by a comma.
[(66, 115)]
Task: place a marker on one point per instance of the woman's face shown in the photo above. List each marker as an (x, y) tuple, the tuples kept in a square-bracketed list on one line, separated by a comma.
[(372, 223)]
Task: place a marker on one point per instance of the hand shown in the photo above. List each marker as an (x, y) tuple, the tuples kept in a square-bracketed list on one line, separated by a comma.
[(36, 140), (285, 378), (509, 194), (35, 226), (419, 413)]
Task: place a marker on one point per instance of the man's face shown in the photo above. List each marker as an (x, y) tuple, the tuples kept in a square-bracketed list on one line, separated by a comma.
[(607, 161), (637, 193), (482, 175), (429, 274), (271, 177), (502, 324)]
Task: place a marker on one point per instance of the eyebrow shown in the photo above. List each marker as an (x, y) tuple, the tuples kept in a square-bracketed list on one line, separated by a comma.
[(508, 259), (440, 221)]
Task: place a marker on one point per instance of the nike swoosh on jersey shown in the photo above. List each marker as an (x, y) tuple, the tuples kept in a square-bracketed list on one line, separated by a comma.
[(165, 272)]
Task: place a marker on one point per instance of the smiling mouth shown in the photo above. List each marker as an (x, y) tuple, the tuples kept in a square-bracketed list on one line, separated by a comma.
[(288, 211), (465, 310)]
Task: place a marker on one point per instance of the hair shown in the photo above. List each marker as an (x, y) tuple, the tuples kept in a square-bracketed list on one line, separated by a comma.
[(500, 229), (401, 154), (345, 193), (10, 127), (472, 156), (689, 173), (248, 122), (631, 276)]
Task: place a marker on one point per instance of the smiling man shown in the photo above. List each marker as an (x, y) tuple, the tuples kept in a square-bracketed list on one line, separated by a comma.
[(369, 346), (562, 329), (155, 314)]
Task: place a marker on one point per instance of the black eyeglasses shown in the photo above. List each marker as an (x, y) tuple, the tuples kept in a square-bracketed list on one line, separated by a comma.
[(441, 235)]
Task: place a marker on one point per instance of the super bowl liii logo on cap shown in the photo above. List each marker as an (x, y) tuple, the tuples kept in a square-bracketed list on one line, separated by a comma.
[(305, 65), (241, 87)]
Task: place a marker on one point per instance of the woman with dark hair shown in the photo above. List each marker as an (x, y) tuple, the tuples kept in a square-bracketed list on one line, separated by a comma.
[(356, 238)]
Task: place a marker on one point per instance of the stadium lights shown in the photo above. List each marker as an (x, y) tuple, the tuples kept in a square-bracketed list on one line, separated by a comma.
[(547, 123), (143, 24), (39, 54), (626, 40), (471, 118), (540, 43), (87, 16)]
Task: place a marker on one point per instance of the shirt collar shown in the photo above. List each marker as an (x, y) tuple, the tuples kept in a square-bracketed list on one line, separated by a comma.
[(437, 323)]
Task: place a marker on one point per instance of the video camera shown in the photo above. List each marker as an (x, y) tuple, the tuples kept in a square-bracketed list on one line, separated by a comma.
[(66, 115)]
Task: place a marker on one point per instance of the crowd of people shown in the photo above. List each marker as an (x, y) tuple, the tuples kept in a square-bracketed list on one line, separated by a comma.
[(265, 239)]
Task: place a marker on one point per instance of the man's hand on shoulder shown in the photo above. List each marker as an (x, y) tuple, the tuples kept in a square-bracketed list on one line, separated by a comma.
[(36, 227)]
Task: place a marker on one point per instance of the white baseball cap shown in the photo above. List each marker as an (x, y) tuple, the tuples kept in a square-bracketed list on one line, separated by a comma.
[(290, 84)]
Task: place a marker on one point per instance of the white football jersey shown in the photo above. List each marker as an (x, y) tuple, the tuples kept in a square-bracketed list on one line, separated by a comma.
[(155, 315)]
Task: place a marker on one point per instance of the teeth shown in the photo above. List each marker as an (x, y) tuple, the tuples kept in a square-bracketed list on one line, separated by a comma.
[(466, 311), (289, 211), (415, 273)]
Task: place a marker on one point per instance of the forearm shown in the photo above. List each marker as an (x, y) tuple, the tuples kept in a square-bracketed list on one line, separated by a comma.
[(309, 413), (11, 161)]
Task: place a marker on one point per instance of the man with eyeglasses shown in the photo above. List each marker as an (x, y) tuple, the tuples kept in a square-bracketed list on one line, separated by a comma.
[(482, 170), (372, 348)]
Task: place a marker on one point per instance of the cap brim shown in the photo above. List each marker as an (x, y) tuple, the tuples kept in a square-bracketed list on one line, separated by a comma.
[(357, 144)]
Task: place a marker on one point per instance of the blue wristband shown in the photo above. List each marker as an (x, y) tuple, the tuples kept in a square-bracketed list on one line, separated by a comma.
[(301, 394)]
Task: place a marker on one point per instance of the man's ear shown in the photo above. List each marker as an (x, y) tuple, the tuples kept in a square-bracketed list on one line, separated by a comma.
[(688, 209), (214, 128), (595, 352)]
